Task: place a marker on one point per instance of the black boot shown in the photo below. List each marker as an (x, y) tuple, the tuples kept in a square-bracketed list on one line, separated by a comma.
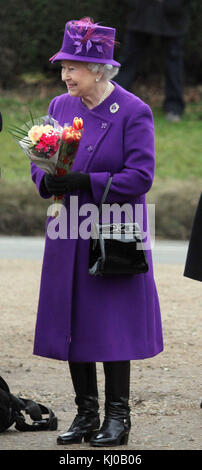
[(116, 426), (87, 419)]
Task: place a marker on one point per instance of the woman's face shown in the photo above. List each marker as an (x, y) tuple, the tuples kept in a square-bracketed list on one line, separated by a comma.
[(78, 78)]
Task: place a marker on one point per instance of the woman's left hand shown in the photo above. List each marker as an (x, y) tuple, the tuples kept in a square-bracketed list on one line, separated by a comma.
[(59, 185)]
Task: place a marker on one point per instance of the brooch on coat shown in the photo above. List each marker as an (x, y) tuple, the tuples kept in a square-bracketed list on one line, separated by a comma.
[(114, 108)]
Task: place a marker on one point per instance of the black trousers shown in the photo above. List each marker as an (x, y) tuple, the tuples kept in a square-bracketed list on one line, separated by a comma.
[(133, 53)]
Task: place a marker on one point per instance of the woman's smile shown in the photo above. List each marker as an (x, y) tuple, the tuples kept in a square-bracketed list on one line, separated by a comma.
[(71, 86)]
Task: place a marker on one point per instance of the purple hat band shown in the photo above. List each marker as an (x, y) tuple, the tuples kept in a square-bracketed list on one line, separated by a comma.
[(87, 42)]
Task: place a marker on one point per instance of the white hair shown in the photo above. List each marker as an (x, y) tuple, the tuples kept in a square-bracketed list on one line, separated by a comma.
[(109, 71)]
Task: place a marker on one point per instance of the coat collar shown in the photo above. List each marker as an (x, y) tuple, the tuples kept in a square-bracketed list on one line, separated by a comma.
[(109, 107)]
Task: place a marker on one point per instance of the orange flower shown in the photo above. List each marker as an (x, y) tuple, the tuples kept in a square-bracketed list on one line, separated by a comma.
[(78, 123), (67, 135), (70, 135), (76, 136)]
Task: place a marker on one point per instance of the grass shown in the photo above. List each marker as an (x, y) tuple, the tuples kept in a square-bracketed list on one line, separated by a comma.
[(178, 146), (15, 110), (178, 178)]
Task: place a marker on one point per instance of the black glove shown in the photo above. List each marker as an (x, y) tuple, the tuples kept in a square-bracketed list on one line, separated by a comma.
[(59, 185)]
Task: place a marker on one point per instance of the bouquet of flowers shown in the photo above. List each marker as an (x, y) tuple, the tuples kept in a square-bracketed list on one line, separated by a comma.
[(70, 139), (50, 146)]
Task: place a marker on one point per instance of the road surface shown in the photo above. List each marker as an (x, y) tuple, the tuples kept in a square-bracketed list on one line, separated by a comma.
[(164, 251)]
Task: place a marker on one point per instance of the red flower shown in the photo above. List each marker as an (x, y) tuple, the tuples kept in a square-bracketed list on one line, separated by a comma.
[(66, 160), (56, 198), (61, 171), (48, 143)]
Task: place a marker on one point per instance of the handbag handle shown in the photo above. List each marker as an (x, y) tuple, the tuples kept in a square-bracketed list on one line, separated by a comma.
[(104, 198), (105, 194)]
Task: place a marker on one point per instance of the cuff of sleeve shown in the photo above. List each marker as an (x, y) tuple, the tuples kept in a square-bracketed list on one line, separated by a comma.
[(40, 184), (98, 185), (42, 190)]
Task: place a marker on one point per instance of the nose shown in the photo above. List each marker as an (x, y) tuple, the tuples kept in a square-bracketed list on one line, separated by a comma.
[(65, 74)]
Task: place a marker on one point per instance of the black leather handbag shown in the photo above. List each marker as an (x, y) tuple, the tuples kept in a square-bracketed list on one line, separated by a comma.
[(116, 248)]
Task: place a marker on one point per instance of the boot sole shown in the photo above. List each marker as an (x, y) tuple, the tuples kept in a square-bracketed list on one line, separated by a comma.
[(76, 440), (118, 442)]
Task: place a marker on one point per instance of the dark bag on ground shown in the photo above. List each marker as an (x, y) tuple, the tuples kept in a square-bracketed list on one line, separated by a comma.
[(11, 408), (116, 248)]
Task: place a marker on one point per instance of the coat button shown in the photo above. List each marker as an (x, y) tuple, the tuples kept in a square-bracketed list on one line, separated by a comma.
[(90, 148)]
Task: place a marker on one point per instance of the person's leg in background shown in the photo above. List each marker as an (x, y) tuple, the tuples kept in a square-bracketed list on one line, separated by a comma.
[(174, 78), (132, 53)]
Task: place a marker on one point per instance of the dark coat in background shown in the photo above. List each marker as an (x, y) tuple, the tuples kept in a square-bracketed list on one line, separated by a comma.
[(165, 18), (193, 265)]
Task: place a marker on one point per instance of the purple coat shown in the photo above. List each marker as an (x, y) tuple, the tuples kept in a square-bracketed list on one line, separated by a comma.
[(86, 318)]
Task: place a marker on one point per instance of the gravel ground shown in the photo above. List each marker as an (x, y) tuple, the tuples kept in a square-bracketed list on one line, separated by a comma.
[(165, 390)]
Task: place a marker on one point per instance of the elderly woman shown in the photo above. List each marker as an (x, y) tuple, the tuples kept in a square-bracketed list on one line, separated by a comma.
[(85, 319)]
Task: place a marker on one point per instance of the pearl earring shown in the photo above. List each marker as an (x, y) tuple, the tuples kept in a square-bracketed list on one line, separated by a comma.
[(97, 79)]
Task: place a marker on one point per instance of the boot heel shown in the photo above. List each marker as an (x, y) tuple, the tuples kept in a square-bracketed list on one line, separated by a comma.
[(77, 440), (124, 439), (87, 437)]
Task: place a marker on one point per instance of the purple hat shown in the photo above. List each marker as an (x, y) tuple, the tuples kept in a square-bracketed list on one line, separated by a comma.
[(86, 41)]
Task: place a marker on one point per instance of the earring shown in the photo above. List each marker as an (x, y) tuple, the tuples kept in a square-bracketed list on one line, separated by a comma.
[(97, 79)]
